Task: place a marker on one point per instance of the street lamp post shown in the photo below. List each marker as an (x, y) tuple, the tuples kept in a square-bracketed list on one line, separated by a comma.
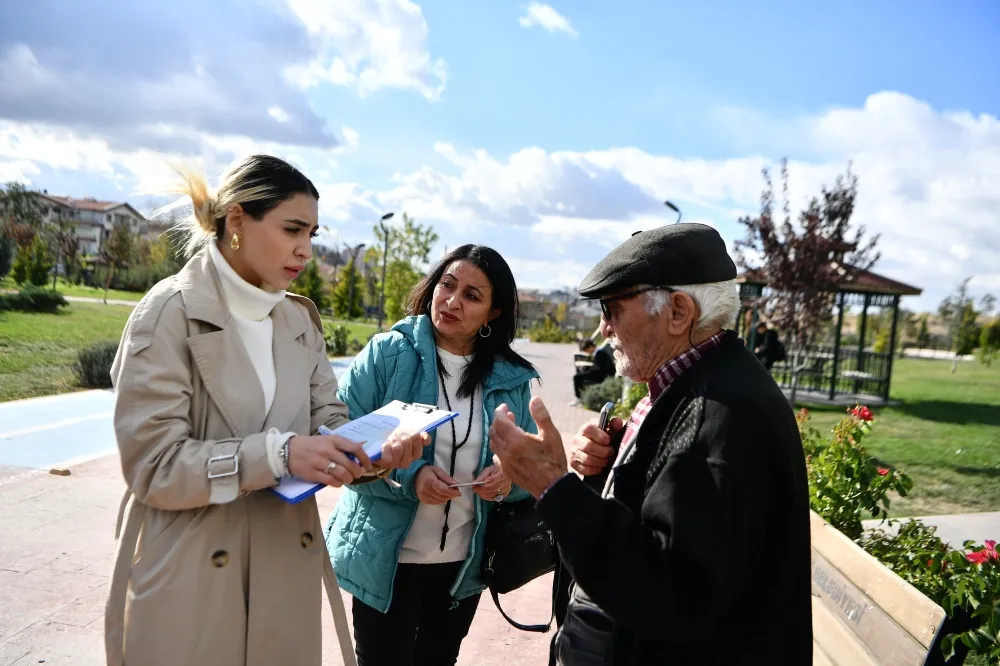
[(673, 208), (385, 255), (352, 278)]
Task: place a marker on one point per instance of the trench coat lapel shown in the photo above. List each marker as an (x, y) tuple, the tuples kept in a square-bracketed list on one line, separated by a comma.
[(220, 355), (229, 379), (293, 365)]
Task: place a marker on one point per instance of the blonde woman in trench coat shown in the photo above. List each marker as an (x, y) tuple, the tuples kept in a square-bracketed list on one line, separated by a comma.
[(222, 381)]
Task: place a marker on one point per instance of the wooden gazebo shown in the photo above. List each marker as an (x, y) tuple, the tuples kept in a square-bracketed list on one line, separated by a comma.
[(832, 372)]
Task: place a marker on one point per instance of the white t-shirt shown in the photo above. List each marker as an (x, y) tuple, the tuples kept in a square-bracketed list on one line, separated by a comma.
[(423, 542)]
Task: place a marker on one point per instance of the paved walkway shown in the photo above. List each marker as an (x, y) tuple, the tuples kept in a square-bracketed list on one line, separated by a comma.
[(91, 299), (67, 429), (956, 529), (57, 545)]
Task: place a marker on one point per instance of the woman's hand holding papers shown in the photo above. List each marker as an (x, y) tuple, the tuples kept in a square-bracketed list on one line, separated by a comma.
[(324, 459), (402, 448)]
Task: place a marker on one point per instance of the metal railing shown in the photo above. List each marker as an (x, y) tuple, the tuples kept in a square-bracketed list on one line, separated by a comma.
[(864, 373)]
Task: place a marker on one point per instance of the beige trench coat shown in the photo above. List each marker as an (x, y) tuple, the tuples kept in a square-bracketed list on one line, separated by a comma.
[(212, 568)]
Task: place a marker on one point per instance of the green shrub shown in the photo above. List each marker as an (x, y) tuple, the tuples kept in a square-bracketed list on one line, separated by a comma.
[(636, 392), (33, 299), (989, 342), (965, 582), (610, 390), (93, 364), (336, 339), (41, 263), (6, 255), (882, 340), (22, 264), (846, 483), (549, 331)]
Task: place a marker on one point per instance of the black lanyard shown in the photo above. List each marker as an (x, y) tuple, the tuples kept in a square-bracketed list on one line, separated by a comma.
[(455, 446)]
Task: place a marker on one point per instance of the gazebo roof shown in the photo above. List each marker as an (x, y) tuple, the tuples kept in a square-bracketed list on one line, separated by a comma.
[(861, 282)]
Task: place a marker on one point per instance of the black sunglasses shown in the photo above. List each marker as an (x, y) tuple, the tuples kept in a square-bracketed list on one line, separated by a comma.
[(605, 302)]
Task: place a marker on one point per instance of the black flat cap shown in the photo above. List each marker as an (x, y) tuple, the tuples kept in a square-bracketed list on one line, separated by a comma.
[(685, 253)]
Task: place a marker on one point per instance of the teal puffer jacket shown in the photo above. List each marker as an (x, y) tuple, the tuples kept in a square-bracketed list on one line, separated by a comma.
[(371, 520)]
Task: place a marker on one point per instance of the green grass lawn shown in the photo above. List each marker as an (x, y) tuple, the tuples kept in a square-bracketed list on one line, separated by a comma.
[(37, 351), (360, 330), (67, 289), (945, 434)]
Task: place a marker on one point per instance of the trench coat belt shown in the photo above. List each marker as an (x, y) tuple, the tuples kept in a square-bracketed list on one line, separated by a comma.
[(114, 616)]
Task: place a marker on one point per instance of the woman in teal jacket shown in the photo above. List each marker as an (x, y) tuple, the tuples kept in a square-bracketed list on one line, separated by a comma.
[(409, 549)]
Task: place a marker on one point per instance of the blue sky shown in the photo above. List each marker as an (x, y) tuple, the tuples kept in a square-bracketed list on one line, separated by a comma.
[(548, 131)]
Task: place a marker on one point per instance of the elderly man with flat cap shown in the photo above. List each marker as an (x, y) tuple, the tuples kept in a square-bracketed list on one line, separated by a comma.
[(687, 537)]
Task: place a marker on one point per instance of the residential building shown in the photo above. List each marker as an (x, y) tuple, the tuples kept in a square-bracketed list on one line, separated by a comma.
[(534, 309), (92, 219)]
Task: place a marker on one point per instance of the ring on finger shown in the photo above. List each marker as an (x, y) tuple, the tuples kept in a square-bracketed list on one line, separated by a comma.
[(331, 468)]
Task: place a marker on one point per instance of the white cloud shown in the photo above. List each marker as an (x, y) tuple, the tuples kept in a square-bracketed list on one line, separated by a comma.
[(351, 137), (547, 273), (528, 184), (126, 108), (18, 170), (929, 183), (544, 16), (113, 86), (279, 114), (24, 148), (368, 44)]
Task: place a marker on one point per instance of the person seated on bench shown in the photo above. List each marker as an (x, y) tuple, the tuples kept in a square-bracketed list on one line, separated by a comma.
[(603, 367), (769, 348)]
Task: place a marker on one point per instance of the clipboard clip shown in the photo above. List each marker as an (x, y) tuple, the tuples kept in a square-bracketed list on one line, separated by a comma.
[(417, 407)]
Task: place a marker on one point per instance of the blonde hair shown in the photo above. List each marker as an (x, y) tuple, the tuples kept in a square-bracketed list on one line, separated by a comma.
[(257, 185)]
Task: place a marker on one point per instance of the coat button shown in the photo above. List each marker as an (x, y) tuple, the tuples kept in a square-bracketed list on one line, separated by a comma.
[(220, 558), (307, 539)]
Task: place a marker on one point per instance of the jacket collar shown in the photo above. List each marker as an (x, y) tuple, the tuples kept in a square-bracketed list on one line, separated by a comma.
[(204, 298), (419, 332), (202, 290)]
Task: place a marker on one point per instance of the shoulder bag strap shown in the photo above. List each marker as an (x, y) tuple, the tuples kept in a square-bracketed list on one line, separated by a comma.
[(537, 628), (339, 612)]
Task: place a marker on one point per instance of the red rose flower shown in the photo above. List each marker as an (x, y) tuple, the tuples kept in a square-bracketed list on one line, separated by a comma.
[(979, 557), (882, 471), (862, 413), (991, 549)]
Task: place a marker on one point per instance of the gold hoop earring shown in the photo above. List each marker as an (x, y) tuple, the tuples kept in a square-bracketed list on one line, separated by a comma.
[(234, 244)]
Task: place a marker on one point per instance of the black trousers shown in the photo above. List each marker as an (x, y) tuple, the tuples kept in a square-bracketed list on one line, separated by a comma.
[(421, 627), (583, 379)]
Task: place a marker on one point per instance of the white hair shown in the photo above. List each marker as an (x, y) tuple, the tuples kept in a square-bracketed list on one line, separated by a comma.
[(719, 303)]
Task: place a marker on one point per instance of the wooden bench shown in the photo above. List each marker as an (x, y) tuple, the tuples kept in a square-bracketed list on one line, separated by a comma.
[(582, 361), (863, 613)]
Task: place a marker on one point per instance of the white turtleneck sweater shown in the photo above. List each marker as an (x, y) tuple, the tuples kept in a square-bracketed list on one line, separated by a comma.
[(250, 311)]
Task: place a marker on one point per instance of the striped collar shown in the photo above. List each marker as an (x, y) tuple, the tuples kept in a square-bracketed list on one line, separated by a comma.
[(675, 367)]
